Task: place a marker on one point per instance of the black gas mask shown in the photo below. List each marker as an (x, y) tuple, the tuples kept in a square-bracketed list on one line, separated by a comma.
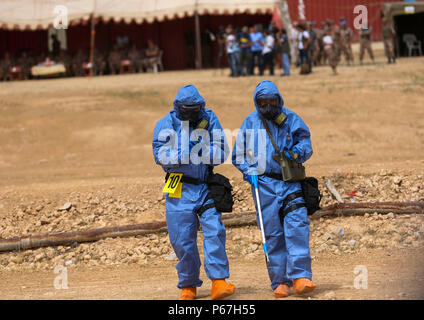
[(269, 107), (190, 113)]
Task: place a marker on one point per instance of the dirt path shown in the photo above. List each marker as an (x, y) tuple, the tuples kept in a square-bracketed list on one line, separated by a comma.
[(391, 275)]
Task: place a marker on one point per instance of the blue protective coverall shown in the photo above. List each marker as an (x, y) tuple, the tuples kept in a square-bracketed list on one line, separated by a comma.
[(287, 244), (181, 213)]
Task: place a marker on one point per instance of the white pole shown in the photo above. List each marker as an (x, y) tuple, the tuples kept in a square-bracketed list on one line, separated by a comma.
[(261, 225)]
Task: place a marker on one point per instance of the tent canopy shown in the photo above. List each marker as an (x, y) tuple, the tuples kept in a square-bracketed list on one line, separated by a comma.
[(41, 14)]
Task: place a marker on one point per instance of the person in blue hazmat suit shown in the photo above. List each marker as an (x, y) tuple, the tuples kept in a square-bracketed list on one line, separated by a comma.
[(176, 153), (287, 239)]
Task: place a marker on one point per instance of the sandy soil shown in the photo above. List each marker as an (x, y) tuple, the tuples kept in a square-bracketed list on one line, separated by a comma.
[(62, 136), (391, 275)]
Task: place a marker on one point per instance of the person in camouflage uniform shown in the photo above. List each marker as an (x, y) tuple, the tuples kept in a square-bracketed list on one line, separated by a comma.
[(313, 45), (389, 35), (365, 43), (346, 36), (335, 34), (319, 52), (330, 51)]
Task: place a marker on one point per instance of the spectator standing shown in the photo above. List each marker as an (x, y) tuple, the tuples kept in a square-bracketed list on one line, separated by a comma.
[(312, 47), (303, 42), (245, 54), (268, 52), (285, 52), (320, 53), (365, 43), (346, 37), (233, 52), (330, 51), (257, 39), (389, 35), (221, 36)]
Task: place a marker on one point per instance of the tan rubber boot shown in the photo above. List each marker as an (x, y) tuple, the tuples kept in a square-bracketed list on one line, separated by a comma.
[(302, 286), (188, 293), (282, 291), (221, 289)]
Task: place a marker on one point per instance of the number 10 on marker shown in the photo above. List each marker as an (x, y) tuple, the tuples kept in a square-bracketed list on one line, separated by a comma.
[(172, 183)]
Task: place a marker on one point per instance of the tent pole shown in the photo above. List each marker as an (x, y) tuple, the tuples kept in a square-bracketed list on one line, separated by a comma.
[(198, 39), (92, 37), (285, 19)]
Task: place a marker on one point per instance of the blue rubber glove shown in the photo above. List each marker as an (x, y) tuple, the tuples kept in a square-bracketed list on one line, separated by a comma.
[(289, 156), (253, 180)]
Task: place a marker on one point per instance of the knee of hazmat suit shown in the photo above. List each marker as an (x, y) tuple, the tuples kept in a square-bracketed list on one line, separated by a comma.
[(287, 242), (189, 120)]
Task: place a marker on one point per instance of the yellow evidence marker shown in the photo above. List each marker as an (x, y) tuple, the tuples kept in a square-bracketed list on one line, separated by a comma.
[(173, 185)]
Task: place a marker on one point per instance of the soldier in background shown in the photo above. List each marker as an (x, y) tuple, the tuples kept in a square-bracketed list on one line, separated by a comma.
[(319, 33), (77, 63), (99, 67), (389, 35), (335, 34), (330, 51), (25, 62), (313, 45), (55, 46), (5, 65), (322, 58), (114, 60), (136, 59), (346, 36), (66, 60), (365, 43)]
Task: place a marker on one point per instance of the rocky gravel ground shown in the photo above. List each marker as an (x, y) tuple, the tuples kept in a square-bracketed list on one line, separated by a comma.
[(113, 206)]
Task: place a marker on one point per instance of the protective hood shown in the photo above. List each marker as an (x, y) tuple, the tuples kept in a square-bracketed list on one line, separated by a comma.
[(267, 89), (188, 95)]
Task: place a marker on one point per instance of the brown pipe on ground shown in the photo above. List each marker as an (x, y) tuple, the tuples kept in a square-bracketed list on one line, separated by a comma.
[(230, 220)]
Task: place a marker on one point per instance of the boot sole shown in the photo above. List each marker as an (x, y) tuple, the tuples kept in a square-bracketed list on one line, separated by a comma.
[(223, 295), (304, 290)]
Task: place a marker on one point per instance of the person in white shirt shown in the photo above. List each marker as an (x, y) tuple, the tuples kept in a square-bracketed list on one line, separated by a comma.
[(303, 40), (268, 52), (233, 51), (330, 51)]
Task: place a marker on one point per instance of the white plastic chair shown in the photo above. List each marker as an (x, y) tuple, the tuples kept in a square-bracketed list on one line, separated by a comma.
[(412, 43)]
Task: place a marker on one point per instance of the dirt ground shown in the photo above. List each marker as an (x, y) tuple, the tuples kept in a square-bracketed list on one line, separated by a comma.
[(391, 275), (60, 137)]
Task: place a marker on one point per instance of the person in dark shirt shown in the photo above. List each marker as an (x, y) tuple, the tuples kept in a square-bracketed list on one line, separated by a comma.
[(244, 44), (284, 46)]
